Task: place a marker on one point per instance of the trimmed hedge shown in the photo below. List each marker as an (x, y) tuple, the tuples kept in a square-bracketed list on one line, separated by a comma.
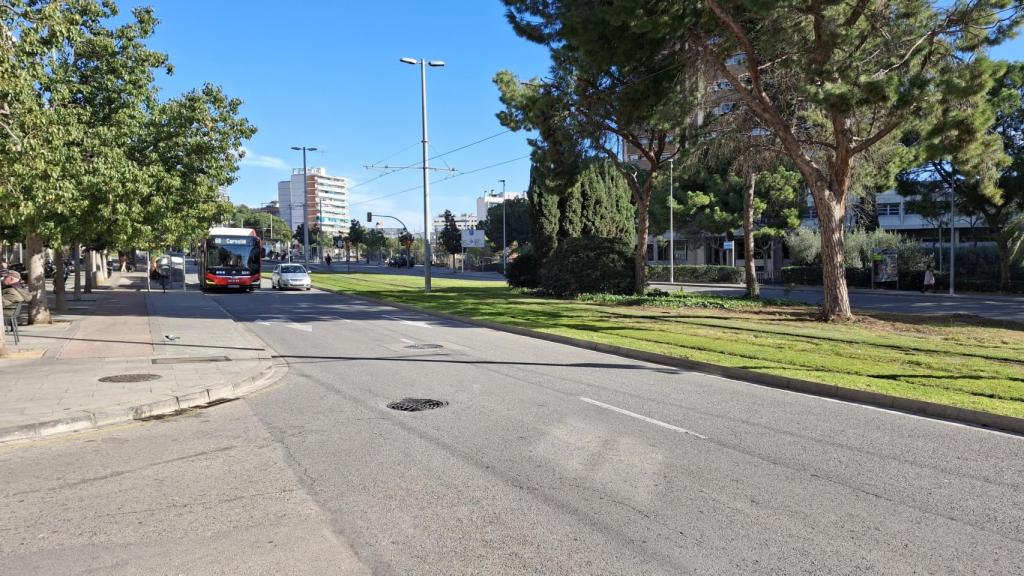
[(523, 272), (707, 274), (588, 264), (909, 280)]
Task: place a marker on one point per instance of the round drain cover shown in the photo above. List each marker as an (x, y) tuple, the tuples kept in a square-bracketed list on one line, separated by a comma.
[(424, 346), (130, 378), (417, 404)]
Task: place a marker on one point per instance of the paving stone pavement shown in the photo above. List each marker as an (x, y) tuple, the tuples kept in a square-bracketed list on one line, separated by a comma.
[(191, 348)]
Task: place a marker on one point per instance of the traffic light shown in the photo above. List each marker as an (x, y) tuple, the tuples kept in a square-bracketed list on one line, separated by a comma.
[(369, 216)]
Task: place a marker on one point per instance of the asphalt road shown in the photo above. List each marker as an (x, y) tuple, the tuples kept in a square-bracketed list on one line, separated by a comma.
[(547, 460)]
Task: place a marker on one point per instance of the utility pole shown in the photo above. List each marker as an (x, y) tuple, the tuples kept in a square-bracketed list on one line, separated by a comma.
[(504, 241), (952, 242), (671, 226), (428, 257), (305, 202)]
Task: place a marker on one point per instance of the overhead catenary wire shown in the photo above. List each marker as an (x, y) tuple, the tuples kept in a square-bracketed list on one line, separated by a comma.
[(393, 169), (440, 180)]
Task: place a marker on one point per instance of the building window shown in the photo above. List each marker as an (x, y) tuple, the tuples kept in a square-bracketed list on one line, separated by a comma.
[(888, 208)]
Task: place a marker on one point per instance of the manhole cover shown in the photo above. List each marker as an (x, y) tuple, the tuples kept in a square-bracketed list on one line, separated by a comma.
[(130, 378), (424, 346), (417, 404)]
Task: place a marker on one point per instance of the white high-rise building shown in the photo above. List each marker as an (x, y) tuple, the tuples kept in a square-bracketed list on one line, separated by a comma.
[(327, 202)]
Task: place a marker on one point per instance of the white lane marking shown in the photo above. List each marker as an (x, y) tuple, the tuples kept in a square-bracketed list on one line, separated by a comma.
[(409, 322), (865, 406), (642, 417), (295, 325), (346, 320), (407, 341)]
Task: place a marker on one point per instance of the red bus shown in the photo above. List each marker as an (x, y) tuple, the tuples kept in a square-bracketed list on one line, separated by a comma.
[(229, 258)]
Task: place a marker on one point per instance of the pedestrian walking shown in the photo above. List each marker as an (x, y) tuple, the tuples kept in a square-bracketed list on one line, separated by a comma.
[(929, 280), (124, 263), (328, 260)]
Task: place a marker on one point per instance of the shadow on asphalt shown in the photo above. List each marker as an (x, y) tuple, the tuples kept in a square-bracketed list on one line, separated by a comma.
[(441, 359), (155, 344)]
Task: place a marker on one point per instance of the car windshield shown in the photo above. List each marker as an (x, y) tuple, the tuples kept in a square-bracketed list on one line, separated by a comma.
[(226, 252), (292, 270)]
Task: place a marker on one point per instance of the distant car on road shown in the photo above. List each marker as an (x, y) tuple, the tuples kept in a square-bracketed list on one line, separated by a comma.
[(290, 276)]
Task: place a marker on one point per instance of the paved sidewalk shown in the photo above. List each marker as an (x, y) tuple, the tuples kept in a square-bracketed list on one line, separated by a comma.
[(187, 350)]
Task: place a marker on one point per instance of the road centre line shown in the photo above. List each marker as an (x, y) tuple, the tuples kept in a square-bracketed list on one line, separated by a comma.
[(642, 417)]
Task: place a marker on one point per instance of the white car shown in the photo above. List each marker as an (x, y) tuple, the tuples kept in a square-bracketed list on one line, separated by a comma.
[(290, 276)]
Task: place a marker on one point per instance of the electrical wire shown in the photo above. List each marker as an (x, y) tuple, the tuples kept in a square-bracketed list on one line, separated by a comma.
[(440, 180)]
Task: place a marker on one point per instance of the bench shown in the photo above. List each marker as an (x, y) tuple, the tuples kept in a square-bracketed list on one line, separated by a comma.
[(11, 315)]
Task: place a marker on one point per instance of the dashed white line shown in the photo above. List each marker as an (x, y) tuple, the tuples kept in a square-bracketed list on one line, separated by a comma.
[(642, 417), (407, 341), (409, 322)]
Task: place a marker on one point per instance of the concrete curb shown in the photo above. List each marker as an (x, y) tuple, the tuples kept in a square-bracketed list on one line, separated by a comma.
[(93, 419), (919, 407)]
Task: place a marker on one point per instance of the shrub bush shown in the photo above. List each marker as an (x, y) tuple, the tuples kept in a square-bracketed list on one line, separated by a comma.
[(708, 274), (588, 264), (522, 272), (811, 276)]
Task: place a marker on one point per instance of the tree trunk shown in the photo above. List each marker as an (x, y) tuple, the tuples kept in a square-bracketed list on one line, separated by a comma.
[(750, 268), (836, 305), (90, 274), (38, 309), (1003, 247), (640, 252), (58, 280), (76, 255)]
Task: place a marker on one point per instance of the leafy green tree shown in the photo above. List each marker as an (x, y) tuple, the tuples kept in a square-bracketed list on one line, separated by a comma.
[(356, 235), (543, 196), (270, 227), (611, 80), (516, 228), (375, 242), (605, 208), (981, 167), (832, 80), (450, 238)]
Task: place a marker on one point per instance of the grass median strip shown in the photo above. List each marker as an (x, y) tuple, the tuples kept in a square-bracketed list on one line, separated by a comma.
[(955, 360)]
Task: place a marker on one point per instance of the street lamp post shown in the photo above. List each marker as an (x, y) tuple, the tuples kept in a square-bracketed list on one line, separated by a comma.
[(305, 202), (671, 227), (504, 241), (952, 243), (427, 256)]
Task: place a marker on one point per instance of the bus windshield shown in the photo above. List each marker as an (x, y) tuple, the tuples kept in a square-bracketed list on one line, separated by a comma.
[(233, 253)]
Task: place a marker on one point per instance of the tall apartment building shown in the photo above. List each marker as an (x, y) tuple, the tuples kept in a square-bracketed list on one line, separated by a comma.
[(326, 200)]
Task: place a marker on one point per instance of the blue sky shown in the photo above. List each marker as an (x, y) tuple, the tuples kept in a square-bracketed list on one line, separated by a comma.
[(326, 74)]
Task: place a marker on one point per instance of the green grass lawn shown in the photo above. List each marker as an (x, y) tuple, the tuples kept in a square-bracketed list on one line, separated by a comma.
[(959, 361)]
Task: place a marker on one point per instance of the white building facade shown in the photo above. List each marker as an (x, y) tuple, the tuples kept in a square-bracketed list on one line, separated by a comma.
[(483, 203), (326, 200), (464, 221)]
